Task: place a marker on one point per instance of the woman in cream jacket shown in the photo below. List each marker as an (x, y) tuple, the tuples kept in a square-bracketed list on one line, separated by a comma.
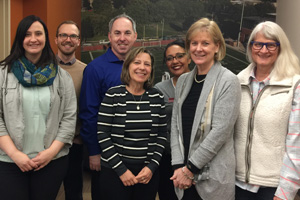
[(267, 129)]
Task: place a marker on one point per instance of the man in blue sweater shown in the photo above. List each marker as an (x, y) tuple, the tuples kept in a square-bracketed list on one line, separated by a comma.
[(99, 75)]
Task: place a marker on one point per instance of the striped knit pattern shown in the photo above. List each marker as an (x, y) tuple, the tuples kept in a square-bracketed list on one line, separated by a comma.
[(290, 172), (128, 135), (289, 182)]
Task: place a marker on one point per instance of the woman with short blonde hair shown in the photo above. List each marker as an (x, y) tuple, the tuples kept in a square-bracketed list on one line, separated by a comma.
[(204, 112)]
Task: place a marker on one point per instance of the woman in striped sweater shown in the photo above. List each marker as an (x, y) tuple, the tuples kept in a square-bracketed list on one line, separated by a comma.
[(132, 132)]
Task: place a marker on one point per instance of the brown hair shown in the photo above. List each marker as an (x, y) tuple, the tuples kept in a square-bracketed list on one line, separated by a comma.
[(67, 22), (125, 76)]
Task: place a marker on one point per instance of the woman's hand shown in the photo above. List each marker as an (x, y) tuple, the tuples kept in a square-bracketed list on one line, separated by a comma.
[(144, 176), (44, 157), (174, 177), (128, 178), (23, 161), (180, 180), (277, 198)]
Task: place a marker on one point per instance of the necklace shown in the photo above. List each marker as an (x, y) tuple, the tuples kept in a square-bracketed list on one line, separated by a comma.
[(138, 103), (197, 80)]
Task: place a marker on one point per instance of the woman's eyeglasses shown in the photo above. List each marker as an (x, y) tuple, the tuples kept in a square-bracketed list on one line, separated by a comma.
[(178, 56), (271, 46)]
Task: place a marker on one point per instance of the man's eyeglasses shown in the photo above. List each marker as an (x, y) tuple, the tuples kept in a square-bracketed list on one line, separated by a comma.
[(271, 46), (64, 36), (178, 56)]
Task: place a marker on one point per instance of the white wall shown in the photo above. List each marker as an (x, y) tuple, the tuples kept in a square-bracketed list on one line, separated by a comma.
[(288, 17), (4, 28)]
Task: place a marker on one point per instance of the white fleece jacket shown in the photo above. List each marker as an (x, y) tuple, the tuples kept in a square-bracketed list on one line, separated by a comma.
[(260, 140)]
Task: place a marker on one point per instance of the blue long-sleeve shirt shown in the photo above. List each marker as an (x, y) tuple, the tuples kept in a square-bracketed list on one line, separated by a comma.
[(101, 74)]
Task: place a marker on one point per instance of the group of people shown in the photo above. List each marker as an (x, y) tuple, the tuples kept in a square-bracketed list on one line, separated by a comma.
[(203, 134)]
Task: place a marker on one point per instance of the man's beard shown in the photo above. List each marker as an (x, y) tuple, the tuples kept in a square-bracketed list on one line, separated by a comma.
[(67, 53)]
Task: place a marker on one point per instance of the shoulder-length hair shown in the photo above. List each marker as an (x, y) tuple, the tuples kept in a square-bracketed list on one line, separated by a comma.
[(17, 50), (214, 31), (287, 63), (125, 76)]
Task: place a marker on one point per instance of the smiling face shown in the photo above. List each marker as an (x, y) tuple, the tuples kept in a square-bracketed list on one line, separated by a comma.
[(264, 58), (202, 49), (34, 41), (67, 46), (179, 64), (121, 37), (140, 69)]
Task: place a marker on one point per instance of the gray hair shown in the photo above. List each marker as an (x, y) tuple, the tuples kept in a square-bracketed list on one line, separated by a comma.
[(287, 63), (111, 22)]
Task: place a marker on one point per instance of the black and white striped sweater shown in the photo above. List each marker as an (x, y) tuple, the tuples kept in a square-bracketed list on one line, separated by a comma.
[(128, 135)]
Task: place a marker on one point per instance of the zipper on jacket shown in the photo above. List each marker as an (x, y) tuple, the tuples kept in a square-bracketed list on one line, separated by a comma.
[(249, 144), (250, 132)]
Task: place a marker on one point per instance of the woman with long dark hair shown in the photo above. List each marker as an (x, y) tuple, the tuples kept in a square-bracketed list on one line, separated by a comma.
[(37, 116)]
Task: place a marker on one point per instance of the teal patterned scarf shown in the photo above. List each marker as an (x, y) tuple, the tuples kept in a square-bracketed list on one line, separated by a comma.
[(29, 75)]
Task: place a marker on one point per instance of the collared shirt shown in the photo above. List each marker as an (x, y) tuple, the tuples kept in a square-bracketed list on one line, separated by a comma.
[(99, 75), (256, 87), (289, 182), (71, 62), (290, 172)]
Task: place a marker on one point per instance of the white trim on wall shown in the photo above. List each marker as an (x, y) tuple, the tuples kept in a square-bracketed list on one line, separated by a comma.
[(287, 17), (4, 28)]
